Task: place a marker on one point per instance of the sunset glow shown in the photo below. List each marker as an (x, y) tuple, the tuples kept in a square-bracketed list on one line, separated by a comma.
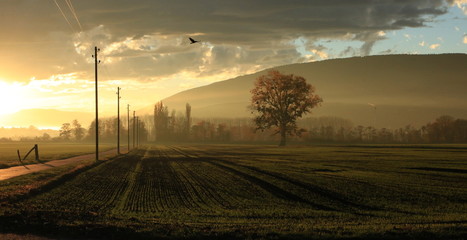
[(245, 119), (13, 97), (47, 63)]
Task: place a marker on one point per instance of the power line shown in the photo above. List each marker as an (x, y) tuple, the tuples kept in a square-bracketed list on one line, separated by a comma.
[(72, 9), (63, 14)]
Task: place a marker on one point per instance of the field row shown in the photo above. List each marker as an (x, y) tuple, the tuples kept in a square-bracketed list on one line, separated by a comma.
[(277, 189), (161, 182)]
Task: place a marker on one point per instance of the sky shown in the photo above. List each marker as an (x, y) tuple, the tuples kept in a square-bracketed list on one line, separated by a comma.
[(46, 46)]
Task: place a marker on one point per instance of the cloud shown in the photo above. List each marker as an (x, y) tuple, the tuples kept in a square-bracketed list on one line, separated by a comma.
[(435, 46), (388, 51), (462, 4), (321, 54), (349, 51), (147, 40), (369, 39), (465, 39), (318, 51), (422, 43)]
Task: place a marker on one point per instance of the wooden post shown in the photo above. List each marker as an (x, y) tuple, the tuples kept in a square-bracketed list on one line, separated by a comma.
[(36, 151), (19, 156)]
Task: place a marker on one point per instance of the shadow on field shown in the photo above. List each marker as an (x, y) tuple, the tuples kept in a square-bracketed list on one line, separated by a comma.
[(290, 196), (274, 190), (285, 194), (180, 231), (410, 146), (450, 170)]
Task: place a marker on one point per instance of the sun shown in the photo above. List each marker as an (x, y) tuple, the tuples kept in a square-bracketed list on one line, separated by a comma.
[(12, 97)]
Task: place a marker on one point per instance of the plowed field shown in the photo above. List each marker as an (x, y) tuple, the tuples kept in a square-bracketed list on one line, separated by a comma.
[(221, 191)]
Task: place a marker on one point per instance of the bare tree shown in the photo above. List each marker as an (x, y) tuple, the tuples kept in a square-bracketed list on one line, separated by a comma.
[(280, 100)]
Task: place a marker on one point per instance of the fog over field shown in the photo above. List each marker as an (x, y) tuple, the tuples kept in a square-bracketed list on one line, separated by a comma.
[(381, 91), (263, 119), (399, 86)]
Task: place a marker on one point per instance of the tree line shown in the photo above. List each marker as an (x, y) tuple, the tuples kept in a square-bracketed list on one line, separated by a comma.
[(444, 129), (182, 128), (278, 101), (172, 126), (74, 131)]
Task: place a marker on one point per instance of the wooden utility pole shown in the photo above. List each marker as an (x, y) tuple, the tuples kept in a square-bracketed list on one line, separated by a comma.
[(118, 120), (96, 61), (134, 128), (128, 115), (137, 131)]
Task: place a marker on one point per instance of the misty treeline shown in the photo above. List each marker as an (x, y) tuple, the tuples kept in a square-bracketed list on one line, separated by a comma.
[(108, 130), (25, 134), (75, 132), (176, 126), (444, 129), (167, 125)]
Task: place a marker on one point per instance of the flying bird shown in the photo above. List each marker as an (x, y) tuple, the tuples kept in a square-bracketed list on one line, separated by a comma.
[(192, 40)]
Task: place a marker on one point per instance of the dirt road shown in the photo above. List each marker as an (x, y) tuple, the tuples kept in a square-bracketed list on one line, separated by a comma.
[(21, 170)]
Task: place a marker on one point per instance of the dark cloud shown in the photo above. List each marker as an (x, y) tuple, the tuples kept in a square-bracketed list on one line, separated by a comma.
[(148, 38), (349, 51)]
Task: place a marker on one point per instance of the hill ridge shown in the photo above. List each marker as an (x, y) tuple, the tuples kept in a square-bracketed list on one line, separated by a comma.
[(417, 87)]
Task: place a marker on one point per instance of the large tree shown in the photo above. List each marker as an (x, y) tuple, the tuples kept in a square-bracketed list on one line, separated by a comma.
[(280, 100), (161, 121), (65, 131), (78, 131)]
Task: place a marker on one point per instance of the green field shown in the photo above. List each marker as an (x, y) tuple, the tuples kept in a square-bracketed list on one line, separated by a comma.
[(256, 192), (47, 151)]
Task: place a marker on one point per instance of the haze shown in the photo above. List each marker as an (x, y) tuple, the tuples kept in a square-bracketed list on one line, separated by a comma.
[(46, 46)]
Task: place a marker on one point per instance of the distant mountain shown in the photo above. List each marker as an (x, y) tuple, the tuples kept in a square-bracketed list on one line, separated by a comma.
[(44, 118), (406, 89)]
